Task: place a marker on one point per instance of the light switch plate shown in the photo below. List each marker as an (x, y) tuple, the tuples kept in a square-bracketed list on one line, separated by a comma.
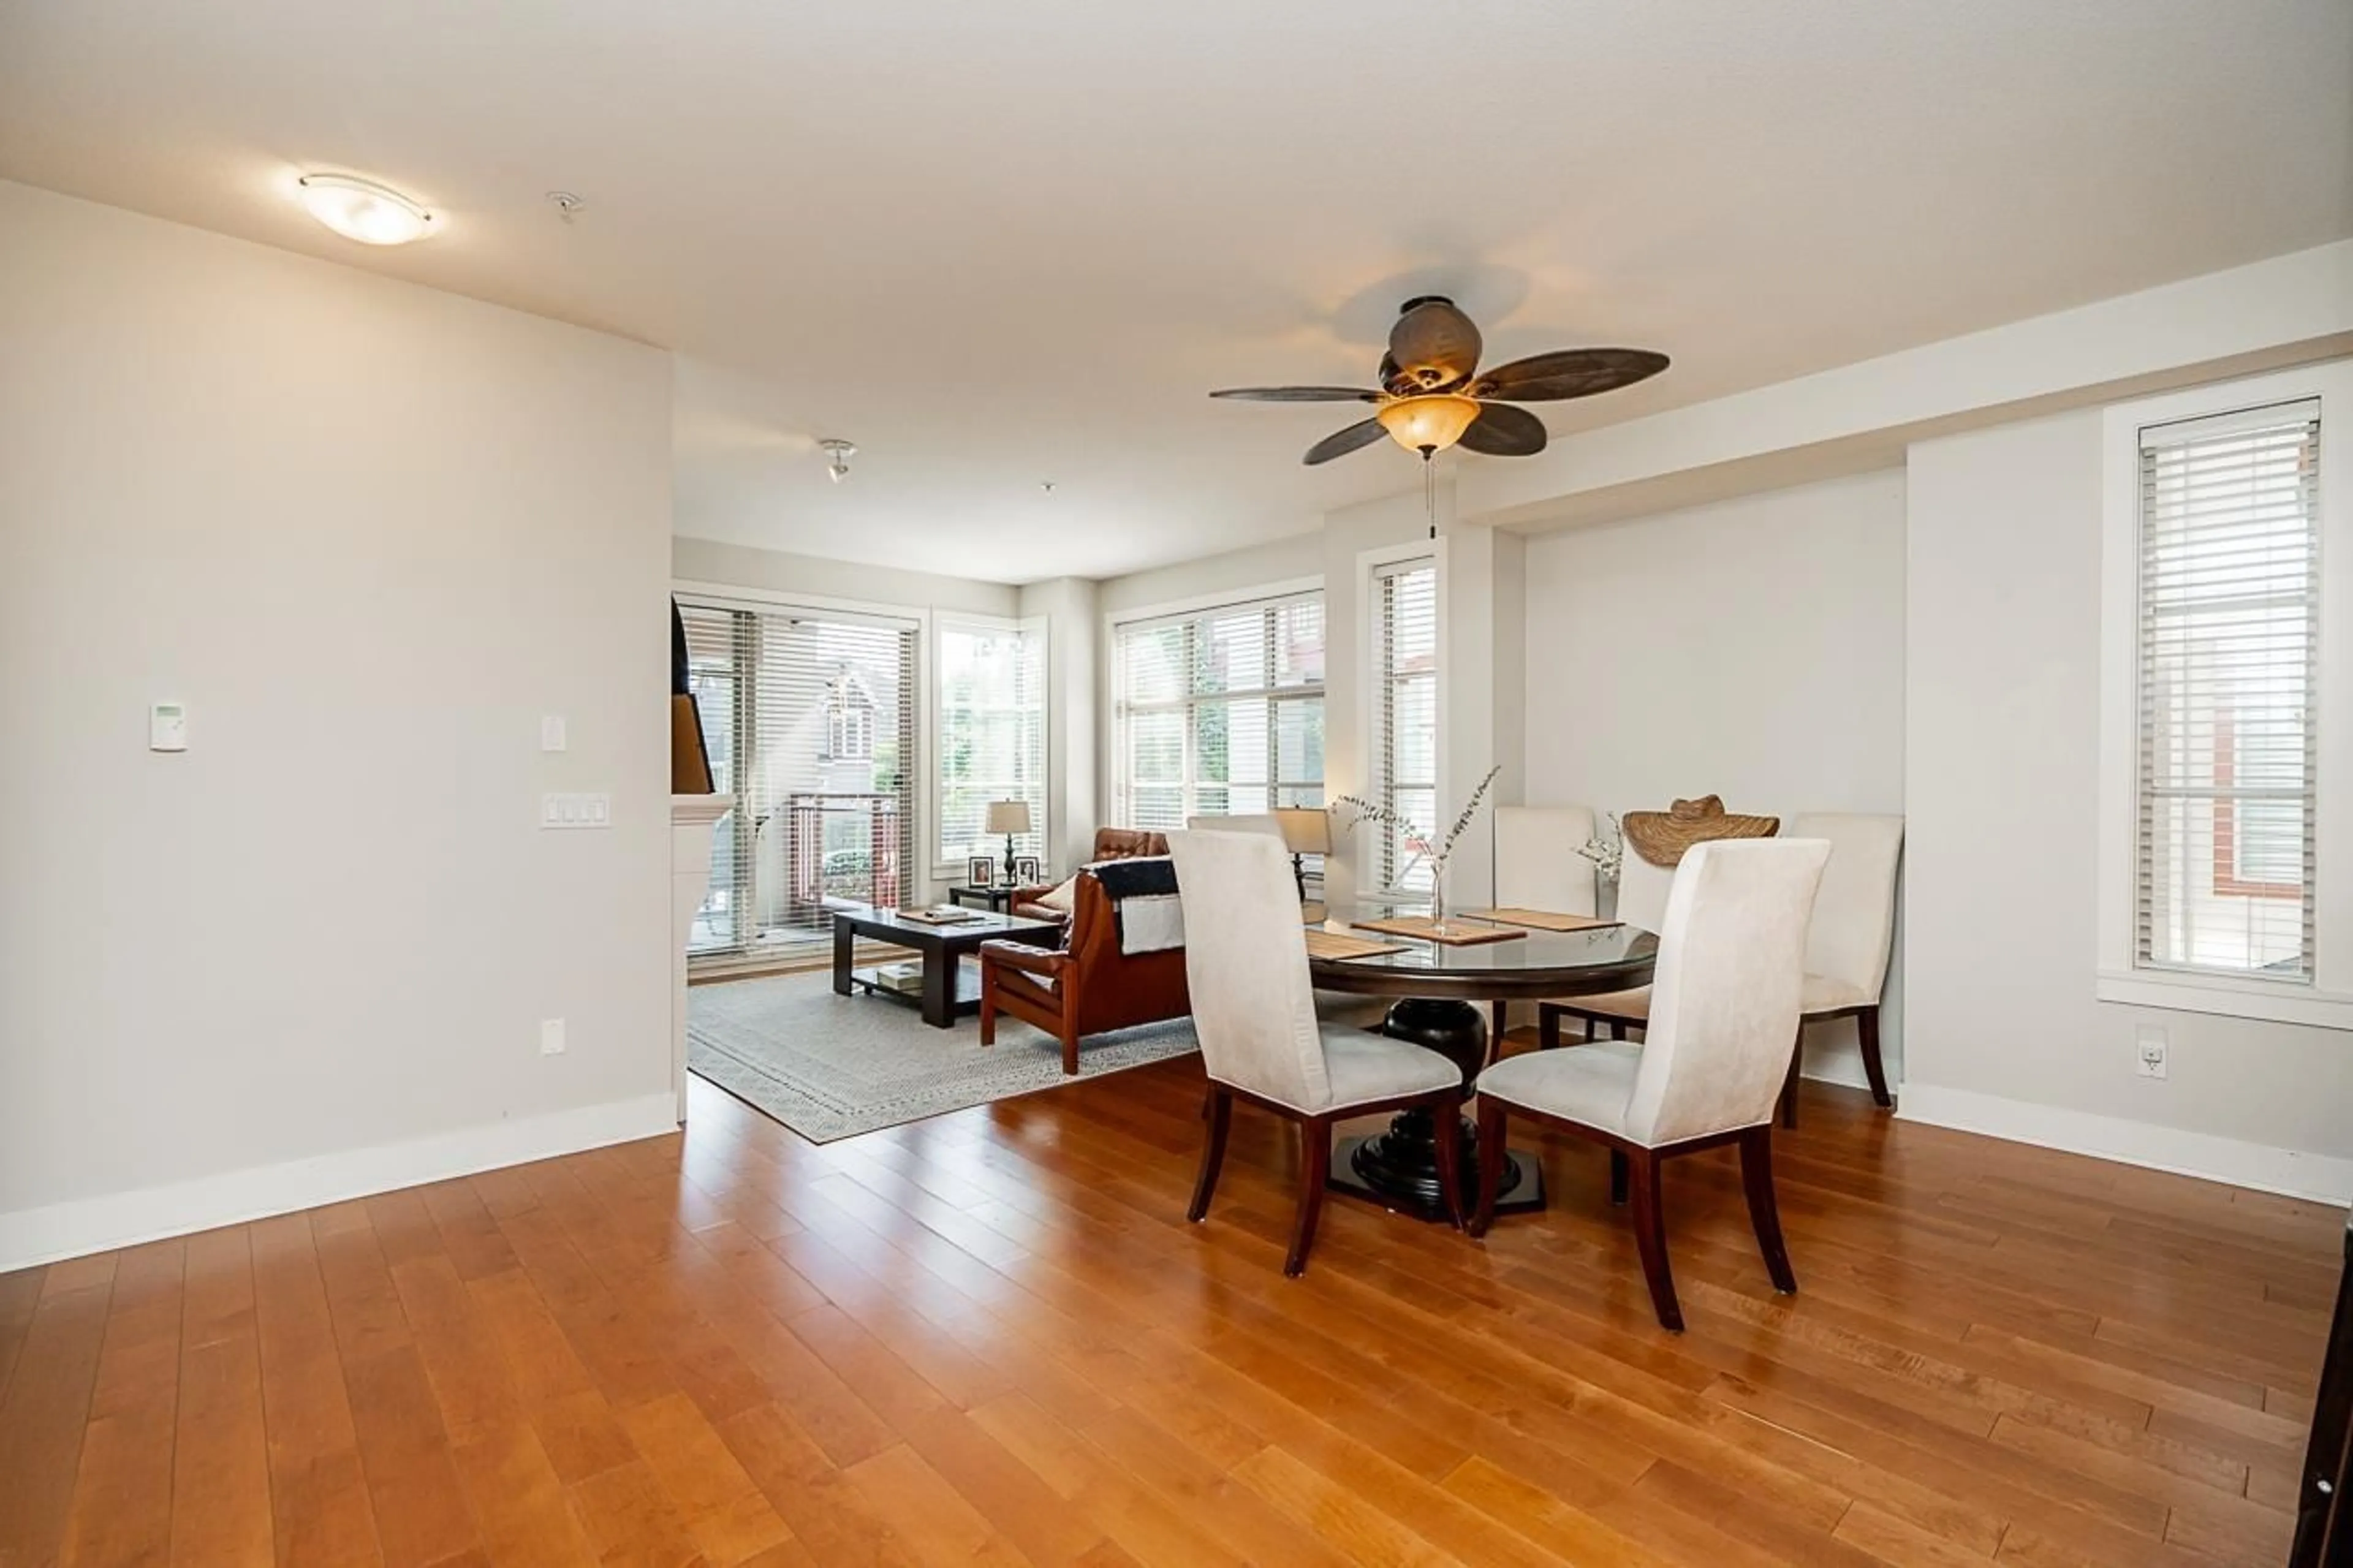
[(2149, 1045), (575, 810), (551, 733), (551, 1036)]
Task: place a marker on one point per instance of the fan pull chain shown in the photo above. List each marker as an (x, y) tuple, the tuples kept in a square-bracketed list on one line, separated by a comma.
[(1429, 489)]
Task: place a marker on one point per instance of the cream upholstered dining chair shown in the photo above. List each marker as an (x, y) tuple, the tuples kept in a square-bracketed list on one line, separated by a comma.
[(1254, 1010), (1723, 1020), (1264, 822), (1853, 929), (1642, 890), (1538, 866)]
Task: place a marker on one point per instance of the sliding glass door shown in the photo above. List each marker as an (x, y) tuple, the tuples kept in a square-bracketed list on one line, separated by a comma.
[(810, 721)]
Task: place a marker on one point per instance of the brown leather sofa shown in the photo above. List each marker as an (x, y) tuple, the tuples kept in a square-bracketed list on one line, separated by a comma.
[(1086, 988), (1111, 844)]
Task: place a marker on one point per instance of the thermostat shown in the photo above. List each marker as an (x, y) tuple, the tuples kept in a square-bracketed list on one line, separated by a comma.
[(167, 727)]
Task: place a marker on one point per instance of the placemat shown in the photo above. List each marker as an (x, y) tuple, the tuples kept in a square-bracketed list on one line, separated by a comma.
[(1338, 944), (1423, 929), (1541, 919)]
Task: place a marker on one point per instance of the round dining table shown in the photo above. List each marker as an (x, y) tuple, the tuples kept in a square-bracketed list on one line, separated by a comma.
[(1439, 988)]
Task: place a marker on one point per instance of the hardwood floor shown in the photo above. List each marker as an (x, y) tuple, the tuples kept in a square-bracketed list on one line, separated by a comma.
[(993, 1337)]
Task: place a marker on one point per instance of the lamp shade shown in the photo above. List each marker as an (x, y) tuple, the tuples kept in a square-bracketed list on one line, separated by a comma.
[(1430, 423), (1306, 829), (1007, 817)]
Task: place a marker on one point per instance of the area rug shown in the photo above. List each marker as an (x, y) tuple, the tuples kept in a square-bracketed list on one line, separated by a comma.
[(832, 1066)]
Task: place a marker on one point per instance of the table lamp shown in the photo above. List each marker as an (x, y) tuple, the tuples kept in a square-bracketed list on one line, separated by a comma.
[(1008, 817), (1307, 830)]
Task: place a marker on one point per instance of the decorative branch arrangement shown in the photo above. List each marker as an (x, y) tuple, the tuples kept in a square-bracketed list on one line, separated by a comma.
[(1607, 855), (1418, 841)]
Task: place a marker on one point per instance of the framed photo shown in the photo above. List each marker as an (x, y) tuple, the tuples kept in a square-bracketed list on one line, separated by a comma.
[(980, 870), (1028, 870)]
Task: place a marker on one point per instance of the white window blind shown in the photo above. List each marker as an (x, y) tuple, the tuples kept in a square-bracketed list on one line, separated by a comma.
[(2230, 642), (991, 708), (1405, 712), (1221, 712), (810, 720)]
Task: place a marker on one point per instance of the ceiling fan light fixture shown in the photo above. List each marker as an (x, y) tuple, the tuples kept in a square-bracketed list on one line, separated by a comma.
[(1427, 424), (363, 210)]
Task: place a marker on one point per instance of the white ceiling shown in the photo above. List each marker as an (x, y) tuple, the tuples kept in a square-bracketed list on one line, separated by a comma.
[(1006, 243)]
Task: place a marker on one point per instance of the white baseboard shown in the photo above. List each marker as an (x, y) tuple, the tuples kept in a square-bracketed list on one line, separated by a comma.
[(84, 1226), (2325, 1178)]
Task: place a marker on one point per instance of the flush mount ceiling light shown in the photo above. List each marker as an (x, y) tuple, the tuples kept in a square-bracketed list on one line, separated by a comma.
[(838, 453), (363, 210)]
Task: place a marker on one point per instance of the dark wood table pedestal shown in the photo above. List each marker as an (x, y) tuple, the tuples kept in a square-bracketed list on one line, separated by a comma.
[(1438, 991), (1398, 1167)]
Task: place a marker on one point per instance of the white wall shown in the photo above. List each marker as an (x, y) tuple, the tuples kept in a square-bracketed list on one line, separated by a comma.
[(1753, 649), (1235, 571), (369, 533), (2002, 691), (1068, 608), (780, 572)]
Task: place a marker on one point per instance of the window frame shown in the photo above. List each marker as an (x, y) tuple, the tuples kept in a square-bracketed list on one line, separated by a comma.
[(1371, 565), (952, 869), (2326, 1000), (1118, 623)]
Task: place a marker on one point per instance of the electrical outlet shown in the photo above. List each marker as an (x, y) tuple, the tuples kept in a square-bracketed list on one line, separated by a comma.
[(551, 733), (2151, 1044), (551, 1036)]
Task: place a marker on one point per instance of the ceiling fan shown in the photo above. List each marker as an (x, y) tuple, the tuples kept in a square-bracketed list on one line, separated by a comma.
[(1433, 394)]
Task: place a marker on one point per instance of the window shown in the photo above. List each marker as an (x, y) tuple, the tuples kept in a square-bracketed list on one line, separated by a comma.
[(1404, 608), (1220, 712), (2226, 881), (848, 723), (810, 720), (2229, 649), (991, 708)]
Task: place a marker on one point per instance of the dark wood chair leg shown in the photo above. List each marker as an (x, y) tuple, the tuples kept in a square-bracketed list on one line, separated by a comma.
[(1764, 1211), (1618, 1176), (1866, 1034), (1548, 1027), (1314, 1170), (1491, 1163), (987, 1009), (1651, 1238), (1617, 1028), (1789, 1083), (1502, 1022), (1219, 1109), (1069, 1051), (1446, 1118)]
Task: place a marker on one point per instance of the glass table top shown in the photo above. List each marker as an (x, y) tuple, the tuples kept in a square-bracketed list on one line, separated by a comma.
[(1521, 956)]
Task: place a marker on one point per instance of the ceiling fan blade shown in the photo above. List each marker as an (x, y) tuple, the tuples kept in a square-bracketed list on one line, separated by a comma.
[(1433, 346), (1568, 372), (1340, 443), (1502, 431), (1300, 394)]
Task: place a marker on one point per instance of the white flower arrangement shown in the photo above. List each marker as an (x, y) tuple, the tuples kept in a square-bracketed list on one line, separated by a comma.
[(1607, 855)]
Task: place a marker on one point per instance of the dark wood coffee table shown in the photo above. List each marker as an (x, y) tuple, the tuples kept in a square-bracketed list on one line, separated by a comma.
[(949, 993)]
